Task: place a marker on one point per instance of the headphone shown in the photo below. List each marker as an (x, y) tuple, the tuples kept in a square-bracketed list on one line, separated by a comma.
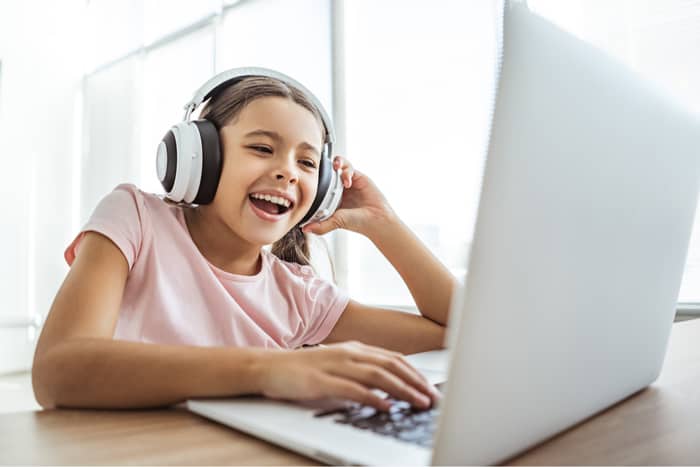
[(188, 161)]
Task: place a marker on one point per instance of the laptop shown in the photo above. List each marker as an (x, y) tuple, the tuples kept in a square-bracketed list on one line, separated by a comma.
[(586, 208)]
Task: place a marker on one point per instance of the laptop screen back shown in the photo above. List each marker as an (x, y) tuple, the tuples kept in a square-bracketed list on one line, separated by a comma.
[(584, 220)]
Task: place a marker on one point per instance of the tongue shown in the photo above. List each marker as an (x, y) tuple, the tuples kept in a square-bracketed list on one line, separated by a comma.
[(266, 206)]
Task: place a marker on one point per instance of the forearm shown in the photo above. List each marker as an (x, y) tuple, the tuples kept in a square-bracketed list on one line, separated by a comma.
[(428, 280), (104, 373)]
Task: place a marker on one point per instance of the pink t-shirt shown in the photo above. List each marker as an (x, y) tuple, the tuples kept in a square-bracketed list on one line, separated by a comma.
[(173, 295)]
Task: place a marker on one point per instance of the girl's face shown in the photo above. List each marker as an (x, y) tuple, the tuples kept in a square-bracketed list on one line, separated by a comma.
[(271, 155)]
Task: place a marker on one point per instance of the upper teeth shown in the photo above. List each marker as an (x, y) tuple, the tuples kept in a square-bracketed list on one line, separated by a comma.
[(273, 199)]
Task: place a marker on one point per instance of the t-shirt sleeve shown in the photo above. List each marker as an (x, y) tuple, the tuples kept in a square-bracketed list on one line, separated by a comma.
[(325, 302), (119, 217)]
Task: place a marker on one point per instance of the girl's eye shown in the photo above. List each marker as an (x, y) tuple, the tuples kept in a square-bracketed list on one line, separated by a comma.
[(308, 163), (263, 149)]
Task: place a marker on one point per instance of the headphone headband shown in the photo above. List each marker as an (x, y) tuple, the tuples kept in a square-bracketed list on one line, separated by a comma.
[(224, 78)]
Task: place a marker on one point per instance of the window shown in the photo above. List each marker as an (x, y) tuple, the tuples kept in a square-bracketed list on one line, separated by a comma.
[(658, 39), (149, 57), (300, 48), (172, 73), (109, 145), (419, 77), (418, 83)]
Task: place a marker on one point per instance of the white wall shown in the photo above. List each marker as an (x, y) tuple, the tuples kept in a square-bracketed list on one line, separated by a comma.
[(41, 60)]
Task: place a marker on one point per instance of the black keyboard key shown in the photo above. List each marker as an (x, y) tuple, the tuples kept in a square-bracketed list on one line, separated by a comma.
[(401, 421)]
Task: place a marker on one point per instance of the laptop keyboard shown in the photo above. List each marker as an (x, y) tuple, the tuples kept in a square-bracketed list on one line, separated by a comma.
[(402, 421)]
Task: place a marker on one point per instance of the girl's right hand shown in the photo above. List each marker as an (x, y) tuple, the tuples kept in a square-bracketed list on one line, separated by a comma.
[(349, 370)]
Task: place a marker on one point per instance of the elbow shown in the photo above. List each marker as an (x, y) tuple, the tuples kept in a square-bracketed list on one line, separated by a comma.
[(442, 340), (52, 376), (41, 383), (434, 336)]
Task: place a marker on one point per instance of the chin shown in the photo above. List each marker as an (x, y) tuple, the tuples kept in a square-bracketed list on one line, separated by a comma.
[(264, 233), (266, 238)]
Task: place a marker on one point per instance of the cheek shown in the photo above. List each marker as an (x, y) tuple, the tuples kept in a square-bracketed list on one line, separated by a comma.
[(237, 175), (231, 188), (310, 188)]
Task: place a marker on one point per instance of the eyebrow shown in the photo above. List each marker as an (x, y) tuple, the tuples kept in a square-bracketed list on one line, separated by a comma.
[(276, 136)]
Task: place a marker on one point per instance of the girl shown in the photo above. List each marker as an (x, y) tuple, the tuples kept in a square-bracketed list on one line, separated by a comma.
[(168, 302)]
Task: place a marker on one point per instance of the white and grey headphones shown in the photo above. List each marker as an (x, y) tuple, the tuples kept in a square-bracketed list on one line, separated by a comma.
[(188, 162)]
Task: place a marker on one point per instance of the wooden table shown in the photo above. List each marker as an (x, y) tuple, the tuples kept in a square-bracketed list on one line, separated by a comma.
[(659, 425)]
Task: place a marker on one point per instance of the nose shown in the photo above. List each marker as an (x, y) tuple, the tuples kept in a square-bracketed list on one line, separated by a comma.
[(286, 169)]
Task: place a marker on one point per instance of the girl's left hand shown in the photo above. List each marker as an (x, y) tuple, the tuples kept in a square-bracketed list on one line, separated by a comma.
[(362, 208)]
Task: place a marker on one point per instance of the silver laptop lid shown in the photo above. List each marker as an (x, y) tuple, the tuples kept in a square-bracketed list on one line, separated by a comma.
[(583, 226)]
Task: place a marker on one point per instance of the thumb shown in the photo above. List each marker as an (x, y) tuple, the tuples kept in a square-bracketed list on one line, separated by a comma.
[(323, 227)]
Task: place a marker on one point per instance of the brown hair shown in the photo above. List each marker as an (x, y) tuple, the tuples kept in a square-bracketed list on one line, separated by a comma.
[(225, 106)]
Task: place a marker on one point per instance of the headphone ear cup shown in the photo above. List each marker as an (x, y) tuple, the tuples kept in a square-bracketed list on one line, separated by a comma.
[(325, 176), (211, 161)]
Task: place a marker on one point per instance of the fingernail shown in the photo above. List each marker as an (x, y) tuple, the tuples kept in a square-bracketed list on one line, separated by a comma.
[(423, 401)]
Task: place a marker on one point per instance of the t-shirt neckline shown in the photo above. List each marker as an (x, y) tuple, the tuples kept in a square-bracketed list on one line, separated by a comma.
[(180, 215)]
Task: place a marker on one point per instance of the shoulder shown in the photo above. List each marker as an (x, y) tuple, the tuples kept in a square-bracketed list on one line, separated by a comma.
[(128, 215), (137, 195), (127, 200), (121, 216), (125, 196)]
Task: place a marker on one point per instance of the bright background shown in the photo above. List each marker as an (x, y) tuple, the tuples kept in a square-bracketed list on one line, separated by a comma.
[(88, 88)]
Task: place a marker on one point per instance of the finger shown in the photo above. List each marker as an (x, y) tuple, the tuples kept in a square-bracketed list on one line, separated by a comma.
[(422, 382), (375, 376), (333, 386), (339, 162), (346, 170), (364, 349), (399, 365), (419, 381), (346, 177), (319, 228)]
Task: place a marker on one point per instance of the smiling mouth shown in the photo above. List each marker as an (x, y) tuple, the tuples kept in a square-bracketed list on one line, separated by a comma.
[(271, 204)]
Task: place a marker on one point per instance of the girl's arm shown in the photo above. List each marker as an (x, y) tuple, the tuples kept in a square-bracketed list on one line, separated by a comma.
[(395, 330), (430, 283), (78, 364), (365, 210)]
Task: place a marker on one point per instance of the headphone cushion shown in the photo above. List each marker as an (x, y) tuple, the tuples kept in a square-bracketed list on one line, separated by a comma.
[(211, 161), (325, 174), (170, 161)]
